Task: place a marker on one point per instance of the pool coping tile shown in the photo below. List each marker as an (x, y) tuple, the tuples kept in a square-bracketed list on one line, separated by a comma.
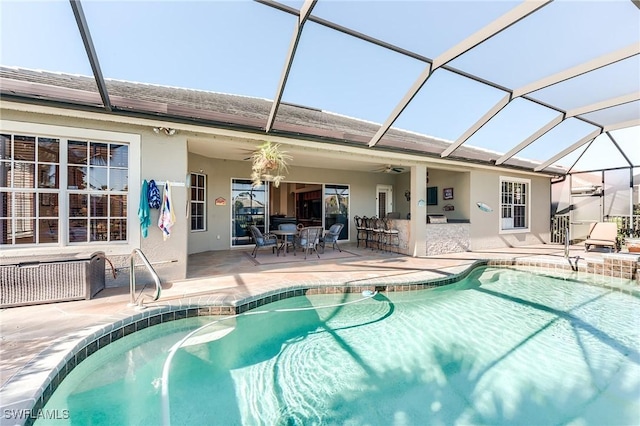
[(31, 387)]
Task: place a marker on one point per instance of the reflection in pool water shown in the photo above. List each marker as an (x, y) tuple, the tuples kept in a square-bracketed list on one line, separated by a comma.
[(499, 347)]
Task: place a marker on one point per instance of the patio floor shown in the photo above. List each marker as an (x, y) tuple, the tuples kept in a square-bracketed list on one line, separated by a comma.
[(30, 333)]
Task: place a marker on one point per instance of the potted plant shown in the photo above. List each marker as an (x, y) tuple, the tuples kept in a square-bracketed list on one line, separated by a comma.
[(269, 163)]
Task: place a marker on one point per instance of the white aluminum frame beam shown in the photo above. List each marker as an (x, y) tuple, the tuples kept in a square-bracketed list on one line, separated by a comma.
[(622, 125), (591, 136), (621, 100), (608, 103), (612, 139), (305, 12), (495, 109), (528, 141), (505, 21), (592, 65), (89, 47)]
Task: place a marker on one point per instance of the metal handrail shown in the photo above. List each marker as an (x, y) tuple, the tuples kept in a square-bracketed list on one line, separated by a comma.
[(567, 242), (132, 279)]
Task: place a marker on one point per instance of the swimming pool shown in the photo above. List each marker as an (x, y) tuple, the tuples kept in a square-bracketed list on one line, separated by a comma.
[(499, 347)]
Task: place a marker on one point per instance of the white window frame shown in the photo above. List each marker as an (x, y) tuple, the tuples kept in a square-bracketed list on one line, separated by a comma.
[(527, 182), (203, 202), (65, 133)]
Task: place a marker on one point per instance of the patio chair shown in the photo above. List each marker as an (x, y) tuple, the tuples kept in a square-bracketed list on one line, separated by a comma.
[(307, 239), (266, 240), (331, 236), (602, 234)]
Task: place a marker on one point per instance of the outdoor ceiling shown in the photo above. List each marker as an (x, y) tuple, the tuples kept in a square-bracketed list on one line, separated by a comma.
[(555, 82)]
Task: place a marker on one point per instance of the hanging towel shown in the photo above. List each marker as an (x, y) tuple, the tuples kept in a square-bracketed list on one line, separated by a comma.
[(143, 210), (153, 195), (167, 216)]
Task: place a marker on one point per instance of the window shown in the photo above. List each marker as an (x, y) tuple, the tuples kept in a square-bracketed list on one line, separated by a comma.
[(61, 191), (514, 204), (432, 196), (97, 183), (198, 202)]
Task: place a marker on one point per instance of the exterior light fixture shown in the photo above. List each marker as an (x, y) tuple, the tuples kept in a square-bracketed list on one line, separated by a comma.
[(166, 130)]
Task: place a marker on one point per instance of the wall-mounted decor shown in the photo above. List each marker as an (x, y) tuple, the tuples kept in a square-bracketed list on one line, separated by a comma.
[(220, 201), (448, 208), (447, 194), (407, 195), (432, 195), (421, 203), (484, 207)]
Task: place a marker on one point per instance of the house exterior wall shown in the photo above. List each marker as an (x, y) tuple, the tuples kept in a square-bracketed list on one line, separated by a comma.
[(158, 157), (166, 158), (402, 205), (362, 195), (485, 226), (459, 182)]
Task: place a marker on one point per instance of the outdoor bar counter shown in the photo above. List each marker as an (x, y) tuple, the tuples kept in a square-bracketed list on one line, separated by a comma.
[(442, 238)]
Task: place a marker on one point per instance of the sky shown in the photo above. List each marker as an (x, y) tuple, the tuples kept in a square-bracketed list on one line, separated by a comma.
[(239, 47)]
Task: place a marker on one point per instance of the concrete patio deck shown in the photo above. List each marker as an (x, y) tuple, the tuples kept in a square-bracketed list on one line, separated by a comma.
[(34, 338)]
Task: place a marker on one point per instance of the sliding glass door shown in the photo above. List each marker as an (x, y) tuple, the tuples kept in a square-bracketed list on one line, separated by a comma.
[(249, 208), (336, 208)]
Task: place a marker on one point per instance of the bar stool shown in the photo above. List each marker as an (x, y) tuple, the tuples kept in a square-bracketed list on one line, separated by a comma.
[(368, 227), (391, 236), (361, 230), (378, 233)]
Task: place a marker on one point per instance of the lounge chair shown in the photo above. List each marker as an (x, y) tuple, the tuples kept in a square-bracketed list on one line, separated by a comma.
[(602, 234), (266, 240)]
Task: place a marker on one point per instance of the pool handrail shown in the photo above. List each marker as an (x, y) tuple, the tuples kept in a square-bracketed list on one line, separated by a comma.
[(132, 280)]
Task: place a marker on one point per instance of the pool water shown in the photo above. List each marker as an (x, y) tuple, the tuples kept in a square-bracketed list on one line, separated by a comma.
[(499, 347)]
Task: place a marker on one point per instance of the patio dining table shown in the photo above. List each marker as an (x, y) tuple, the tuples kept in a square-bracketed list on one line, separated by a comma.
[(282, 235)]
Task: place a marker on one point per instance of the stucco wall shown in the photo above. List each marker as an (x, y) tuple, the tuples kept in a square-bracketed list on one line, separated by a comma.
[(485, 226), (484, 185), (459, 182), (165, 157), (402, 205), (161, 158), (220, 172)]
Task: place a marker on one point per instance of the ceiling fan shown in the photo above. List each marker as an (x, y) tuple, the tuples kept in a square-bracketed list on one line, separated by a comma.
[(390, 169)]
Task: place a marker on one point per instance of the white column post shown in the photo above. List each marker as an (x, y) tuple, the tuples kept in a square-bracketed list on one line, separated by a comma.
[(418, 227)]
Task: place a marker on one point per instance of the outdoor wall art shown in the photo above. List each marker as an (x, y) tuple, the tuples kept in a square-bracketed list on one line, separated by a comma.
[(447, 194)]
